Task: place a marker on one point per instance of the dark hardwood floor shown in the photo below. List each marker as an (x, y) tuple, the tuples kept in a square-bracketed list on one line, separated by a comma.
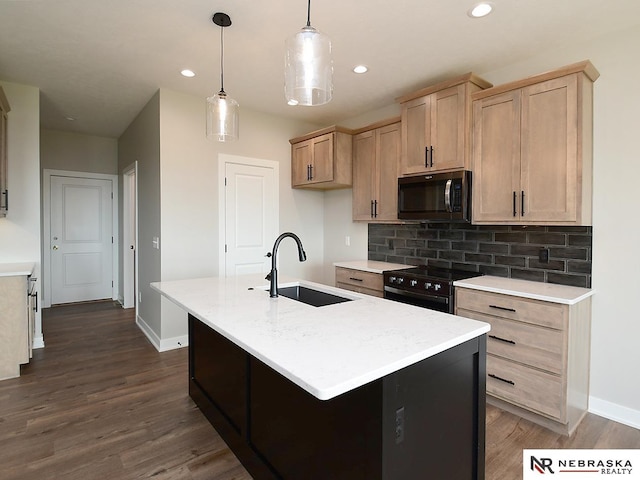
[(99, 402)]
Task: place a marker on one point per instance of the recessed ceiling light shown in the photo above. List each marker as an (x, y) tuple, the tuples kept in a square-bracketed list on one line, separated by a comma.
[(360, 69), (70, 118), (187, 73), (481, 10)]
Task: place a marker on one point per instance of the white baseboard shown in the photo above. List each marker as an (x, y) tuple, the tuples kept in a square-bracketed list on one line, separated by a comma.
[(38, 341), (162, 345), (615, 412)]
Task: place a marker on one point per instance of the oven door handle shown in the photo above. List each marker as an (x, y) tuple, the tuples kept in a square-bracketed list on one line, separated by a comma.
[(419, 296), (447, 196)]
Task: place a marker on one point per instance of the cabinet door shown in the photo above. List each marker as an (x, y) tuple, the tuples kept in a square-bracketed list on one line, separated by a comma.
[(388, 154), (4, 109), (416, 130), (300, 162), (364, 167), (550, 151), (448, 129), (496, 158), (322, 159)]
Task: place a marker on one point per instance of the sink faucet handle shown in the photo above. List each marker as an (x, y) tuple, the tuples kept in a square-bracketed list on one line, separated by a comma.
[(268, 277)]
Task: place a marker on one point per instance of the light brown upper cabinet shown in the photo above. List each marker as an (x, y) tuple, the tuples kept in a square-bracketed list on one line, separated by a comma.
[(436, 125), (4, 194), (376, 153), (532, 149), (322, 159)]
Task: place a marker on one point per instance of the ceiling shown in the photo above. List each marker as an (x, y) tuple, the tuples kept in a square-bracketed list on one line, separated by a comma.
[(100, 61)]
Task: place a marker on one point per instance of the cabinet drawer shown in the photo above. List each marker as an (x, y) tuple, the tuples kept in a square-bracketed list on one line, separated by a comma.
[(528, 387), (525, 343), (546, 314), (358, 278)]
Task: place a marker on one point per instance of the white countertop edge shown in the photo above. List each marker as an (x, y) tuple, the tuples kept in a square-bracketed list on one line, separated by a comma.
[(525, 289), (16, 269), (372, 266), (329, 393)]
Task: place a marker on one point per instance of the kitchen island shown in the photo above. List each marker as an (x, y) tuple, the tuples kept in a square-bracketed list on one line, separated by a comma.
[(367, 388)]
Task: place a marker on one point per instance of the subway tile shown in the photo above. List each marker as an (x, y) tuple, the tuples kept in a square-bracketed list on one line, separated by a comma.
[(511, 237), (546, 238), (557, 265), (427, 234), (568, 252), (579, 240), (439, 244), (526, 250), (494, 270), (574, 266), (417, 243), (426, 253), (451, 255), (478, 236), (478, 258), (450, 235), (493, 248), (512, 261), (532, 275), (564, 279), (467, 246)]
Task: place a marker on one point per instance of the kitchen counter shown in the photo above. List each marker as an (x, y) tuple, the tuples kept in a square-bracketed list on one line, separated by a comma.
[(372, 266), (342, 391), (326, 350), (548, 292), (16, 269)]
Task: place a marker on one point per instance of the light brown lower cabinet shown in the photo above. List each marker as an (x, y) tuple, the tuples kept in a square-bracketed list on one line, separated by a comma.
[(359, 281), (16, 325), (537, 355)]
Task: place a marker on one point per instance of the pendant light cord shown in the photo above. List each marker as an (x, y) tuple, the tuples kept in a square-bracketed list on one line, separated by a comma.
[(309, 14), (222, 59)]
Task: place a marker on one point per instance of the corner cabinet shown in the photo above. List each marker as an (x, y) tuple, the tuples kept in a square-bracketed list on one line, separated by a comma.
[(537, 352), (322, 160), (4, 193), (436, 125), (532, 149), (376, 153)]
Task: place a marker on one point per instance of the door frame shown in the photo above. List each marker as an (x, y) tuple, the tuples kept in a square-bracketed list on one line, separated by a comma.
[(223, 160), (46, 207), (130, 204)]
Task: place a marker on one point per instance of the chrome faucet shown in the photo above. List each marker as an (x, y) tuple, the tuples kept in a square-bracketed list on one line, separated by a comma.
[(273, 274)]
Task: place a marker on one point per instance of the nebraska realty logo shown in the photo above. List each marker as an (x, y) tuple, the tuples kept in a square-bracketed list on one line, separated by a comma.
[(580, 464)]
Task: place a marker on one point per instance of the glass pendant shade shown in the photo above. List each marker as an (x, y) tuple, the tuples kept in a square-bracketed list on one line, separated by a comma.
[(308, 68), (223, 118)]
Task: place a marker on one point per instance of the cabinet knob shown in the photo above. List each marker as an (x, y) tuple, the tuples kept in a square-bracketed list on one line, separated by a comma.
[(56, 247)]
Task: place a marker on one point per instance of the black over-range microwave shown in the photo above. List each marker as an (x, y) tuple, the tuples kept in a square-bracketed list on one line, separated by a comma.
[(440, 197)]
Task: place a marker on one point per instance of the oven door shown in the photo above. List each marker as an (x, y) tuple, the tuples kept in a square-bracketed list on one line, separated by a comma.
[(433, 302)]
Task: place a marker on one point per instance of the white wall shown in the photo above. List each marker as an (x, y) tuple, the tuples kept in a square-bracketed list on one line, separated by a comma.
[(20, 230), (615, 388), (77, 152)]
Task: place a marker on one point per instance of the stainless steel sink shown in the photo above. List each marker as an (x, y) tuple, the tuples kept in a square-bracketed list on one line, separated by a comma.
[(310, 296)]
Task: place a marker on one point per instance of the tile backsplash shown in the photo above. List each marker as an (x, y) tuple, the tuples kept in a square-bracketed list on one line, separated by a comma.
[(501, 250)]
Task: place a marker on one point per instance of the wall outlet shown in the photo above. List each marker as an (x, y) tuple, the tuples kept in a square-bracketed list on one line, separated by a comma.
[(543, 255), (347, 241), (156, 243)]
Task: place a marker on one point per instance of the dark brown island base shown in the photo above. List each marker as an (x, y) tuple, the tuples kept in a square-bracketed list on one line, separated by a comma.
[(425, 421)]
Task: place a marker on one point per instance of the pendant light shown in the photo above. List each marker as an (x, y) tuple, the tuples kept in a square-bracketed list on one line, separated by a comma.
[(222, 110), (308, 67)]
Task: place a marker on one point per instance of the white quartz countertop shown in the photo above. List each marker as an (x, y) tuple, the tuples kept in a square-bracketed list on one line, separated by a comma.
[(326, 350), (371, 266), (15, 269), (548, 292)]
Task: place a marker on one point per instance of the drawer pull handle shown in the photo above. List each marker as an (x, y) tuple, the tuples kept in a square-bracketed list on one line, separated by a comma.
[(503, 308), (356, 279), (502, 379), (502, 339)]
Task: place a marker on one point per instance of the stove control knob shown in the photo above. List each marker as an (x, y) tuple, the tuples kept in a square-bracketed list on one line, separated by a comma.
[(414, 283), (427, 285), (437, 286), (392, 279), (400, 281)]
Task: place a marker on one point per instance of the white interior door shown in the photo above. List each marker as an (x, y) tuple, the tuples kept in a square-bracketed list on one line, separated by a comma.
[(129, 232), (251, 217), (81, 248)]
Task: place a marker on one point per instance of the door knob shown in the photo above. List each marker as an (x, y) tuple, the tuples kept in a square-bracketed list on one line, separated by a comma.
[(55, 247)]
